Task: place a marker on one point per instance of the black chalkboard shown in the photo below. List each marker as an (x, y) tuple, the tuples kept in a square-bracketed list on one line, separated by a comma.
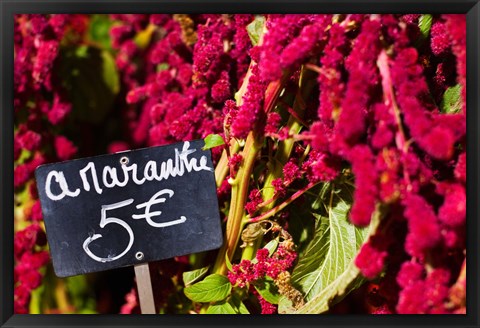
[(129, 208)]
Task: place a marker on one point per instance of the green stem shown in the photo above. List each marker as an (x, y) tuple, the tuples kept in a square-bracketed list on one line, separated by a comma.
[(389, 97), (240, 184), (276, 167), (285, 147), (235, 220), (250, 250), (222, 169), (62, 298)]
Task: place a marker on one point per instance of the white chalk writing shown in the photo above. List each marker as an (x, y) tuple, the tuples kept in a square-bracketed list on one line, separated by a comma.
[(104, 220), (110, 175)]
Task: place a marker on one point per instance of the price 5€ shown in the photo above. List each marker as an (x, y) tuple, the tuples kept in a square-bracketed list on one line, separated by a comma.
[(147, 215)]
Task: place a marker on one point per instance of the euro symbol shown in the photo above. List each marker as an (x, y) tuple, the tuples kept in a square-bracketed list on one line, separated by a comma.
[(153, 201)]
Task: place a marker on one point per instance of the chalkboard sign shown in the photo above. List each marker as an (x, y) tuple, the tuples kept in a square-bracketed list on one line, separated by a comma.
[(129, 208)]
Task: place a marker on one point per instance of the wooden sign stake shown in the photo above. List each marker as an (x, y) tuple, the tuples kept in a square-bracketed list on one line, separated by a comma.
[(145, 291)]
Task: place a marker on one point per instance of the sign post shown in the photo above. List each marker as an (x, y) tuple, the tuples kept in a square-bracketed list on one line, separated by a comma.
[(130, 208), (144, 287)]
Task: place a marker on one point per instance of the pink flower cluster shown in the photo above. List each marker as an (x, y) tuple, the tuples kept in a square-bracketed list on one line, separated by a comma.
[(288, 42), (40, 102), (26, 273), (376, 117), (375, 113), (247, 271), (319, 167), (433, 286), (131, 306), (267, 308), (186, 82), (456, 30)]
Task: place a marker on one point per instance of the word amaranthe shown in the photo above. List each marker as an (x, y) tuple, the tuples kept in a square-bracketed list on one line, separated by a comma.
[(109, 178)]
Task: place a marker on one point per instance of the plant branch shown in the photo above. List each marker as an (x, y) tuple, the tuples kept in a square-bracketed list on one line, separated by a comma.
[(389, 98), (280, 207)]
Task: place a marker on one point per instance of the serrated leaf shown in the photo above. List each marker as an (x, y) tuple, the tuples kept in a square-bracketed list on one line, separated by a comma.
[(212, 140), (327, 272), (221, 308), (214, 287), (303, 230), (333, 247), (191, 277), (255, 29), (268, 290), (285, 306), (425, 24), (344, 283), (452, 100), (319, 202)]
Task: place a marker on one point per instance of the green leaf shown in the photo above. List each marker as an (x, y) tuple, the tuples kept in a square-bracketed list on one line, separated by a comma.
[(162, 67), (80, 293), (24, 156), (272, 246), (285, 306), (303, 230), (99, 30), (255, 29), (452, 100), (143, 38), (191, 277), (268, 290), (109, 72), (221, 308), (214, 287), (213, 140), (82, 51), (326, 272), (238, 305), (242, 309), (425, 24)]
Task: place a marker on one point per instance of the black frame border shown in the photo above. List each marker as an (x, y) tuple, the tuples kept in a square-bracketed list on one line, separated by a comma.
[(10, 7)]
